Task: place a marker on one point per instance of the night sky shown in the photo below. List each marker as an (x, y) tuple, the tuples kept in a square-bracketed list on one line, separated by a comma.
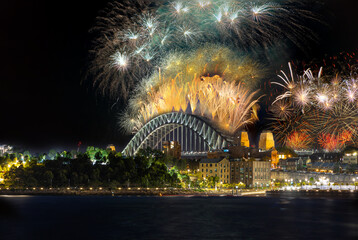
[(44, 56)]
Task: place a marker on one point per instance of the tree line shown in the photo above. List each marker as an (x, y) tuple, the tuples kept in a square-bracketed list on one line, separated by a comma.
[(94, 168)]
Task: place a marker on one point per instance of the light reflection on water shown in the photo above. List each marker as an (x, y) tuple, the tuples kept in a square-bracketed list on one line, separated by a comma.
[(178, 218)]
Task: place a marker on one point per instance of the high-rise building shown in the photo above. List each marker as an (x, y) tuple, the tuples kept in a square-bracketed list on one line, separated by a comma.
[(266, 141)]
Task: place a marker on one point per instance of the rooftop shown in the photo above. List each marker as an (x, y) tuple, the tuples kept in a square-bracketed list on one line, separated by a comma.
[(216, 160)]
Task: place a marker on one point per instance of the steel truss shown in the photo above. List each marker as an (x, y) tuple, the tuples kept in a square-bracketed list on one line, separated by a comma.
[(193, 133)]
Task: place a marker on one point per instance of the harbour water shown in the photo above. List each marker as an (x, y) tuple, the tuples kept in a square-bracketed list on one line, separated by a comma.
[(106, 217)]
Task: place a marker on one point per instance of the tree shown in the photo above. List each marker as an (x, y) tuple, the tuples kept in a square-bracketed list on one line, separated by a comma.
[(51, 155), (311, 180), (27, 155), (213, 181), (48, 177)]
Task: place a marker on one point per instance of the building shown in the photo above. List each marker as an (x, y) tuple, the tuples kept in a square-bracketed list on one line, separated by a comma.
[(350, 157), (111, 147), (304, 152), (323, 167), (5, 149), (216, 168), (326, 157), (267, 141), (292, 164), (252, 173), (172, 148)]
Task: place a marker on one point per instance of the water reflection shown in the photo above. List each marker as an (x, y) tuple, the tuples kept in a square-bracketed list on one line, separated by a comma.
[(179, 218)]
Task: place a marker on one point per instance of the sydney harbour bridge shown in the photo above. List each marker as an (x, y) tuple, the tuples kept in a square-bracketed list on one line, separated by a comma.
[(194, 134)]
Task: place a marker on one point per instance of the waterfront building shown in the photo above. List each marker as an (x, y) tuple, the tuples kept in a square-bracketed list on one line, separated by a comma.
[(216, 168), (323, 167), (253, 173), (324, 157), (292, 164), (350, 156)]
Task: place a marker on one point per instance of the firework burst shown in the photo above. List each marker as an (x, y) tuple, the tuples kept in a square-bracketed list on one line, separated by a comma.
[(133, 37), (323, 107), (212, 82)]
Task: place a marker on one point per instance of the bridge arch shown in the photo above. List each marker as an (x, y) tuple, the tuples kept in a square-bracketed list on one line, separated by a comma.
[(193, 133)]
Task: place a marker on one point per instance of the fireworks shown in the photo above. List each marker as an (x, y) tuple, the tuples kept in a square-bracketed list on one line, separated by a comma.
[(299, 140), (324, 108), (211, 82), (133, 37)]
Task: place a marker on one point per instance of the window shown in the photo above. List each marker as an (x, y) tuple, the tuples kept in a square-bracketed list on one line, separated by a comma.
[(202, 170), (211, 165), (206, 164), (216, 164), (206, 170), (211, 171), (216, 170)]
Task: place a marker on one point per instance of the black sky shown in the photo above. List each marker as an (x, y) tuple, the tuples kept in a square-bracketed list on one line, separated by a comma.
[(44, 50)]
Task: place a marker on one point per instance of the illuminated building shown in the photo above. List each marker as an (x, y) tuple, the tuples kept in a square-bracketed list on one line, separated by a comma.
[(172, 148), (324, 157), (252, 173), (111, 147), (350, 158), (216, 168), (266, 141)]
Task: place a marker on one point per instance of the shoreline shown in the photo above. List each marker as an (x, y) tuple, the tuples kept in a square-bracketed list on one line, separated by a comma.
[(341, 194), (131, 192)]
